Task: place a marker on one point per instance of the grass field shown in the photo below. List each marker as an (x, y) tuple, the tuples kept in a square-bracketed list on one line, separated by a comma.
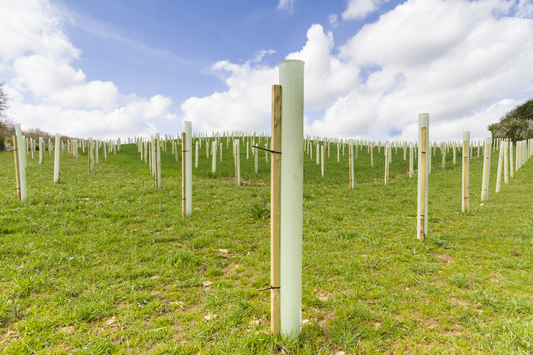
[(103, 263)]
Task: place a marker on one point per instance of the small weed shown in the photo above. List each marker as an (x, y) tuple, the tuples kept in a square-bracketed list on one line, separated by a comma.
[(259, 210)]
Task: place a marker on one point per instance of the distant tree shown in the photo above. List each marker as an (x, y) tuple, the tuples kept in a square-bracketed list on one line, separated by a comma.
[(516, 124), (7, 127)]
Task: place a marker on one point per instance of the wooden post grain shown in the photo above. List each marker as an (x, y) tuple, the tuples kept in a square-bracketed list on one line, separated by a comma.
[(17, 171), (275, 211)]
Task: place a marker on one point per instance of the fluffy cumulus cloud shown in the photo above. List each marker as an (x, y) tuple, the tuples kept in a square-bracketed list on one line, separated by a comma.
[(453, 59), (465, 63), (39, 60), (326, 77), (245, 106), (359, 9)]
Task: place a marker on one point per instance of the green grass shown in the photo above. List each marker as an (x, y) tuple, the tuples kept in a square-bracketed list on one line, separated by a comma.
[(103, 263)]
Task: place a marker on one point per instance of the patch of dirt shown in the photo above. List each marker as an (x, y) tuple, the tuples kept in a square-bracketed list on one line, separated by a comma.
[(324, 321), (430, 323), (444, 257), (476, 306), (324, 296), (8, 336), (69, 329), (230, 268)]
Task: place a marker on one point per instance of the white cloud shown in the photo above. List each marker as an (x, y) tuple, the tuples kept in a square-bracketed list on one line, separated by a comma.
[(475, 122), (333, 20), (81, 123), (261, 54), (525, 8), (326, 77), (40, 56), (32, 26), (156, 107), (466, 63), (359, 9), (54, 80), (287, 5), (447, 58), (245, 106)]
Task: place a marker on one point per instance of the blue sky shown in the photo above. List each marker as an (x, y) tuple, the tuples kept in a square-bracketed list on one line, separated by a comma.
[(123, 68)]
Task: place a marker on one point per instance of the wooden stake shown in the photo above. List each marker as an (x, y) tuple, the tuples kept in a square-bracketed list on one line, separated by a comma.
[(275, 211), (17, 171)]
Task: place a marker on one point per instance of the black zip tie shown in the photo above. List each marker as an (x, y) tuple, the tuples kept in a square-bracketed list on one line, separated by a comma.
[(269, 288), (184, 151), (268, 150)]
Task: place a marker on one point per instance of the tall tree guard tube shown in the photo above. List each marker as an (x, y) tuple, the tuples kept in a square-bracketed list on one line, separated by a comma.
[(158, 159), (423, 176), (89, 155), (188, 167), (486, 169), (57, 156), (466, 172), (41, 148), (184, 174), (351, 164), (291, 79)]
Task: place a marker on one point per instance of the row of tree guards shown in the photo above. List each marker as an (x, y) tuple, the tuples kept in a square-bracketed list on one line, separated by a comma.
[(59, 147), (287, 146)]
